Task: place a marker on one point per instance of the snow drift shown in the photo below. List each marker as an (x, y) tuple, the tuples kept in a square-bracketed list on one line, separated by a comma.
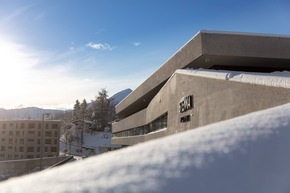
[(245, 154)]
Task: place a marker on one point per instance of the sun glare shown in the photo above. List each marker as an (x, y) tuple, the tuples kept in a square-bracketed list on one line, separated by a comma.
[(15, 64)]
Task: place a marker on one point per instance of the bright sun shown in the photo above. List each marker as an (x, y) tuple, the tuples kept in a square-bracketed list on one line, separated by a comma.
[(14, 67)]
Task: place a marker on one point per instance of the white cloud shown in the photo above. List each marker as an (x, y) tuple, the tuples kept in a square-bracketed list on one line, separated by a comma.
[(99, 46), (136, 43)]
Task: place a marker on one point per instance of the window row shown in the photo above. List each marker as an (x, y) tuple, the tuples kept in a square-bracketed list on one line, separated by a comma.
[(22, 133), (29, 140), (29, 149), (16, 156), (157, 124), (28, 125)]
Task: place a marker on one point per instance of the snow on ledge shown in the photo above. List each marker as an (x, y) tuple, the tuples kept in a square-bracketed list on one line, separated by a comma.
[(249, 154), (274, 79)]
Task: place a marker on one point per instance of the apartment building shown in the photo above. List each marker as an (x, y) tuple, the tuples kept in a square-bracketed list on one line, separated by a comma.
[(26, 139)]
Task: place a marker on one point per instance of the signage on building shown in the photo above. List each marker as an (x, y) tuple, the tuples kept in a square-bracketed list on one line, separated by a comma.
[(186, 103), (185, 118)]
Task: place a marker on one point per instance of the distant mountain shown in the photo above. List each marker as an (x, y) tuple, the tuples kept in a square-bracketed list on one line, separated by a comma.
[(118, 97), (26, 113), (37, 113)]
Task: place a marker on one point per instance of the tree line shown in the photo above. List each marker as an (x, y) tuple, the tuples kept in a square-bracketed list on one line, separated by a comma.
[(100, 112)]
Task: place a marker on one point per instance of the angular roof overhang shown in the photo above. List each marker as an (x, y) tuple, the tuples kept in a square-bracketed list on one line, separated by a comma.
[(213, 50)]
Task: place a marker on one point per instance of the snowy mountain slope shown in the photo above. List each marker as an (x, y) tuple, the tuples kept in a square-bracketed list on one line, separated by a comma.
[(118, 97), (245, 154)]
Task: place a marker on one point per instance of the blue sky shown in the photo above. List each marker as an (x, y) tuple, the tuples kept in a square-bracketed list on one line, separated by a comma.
[(53, 52)]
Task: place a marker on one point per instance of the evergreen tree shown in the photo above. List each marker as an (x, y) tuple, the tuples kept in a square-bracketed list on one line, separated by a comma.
[(77, 110), (101, 112), (83, 109)]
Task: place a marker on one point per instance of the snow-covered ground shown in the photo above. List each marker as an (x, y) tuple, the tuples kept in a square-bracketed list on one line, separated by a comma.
[(94, 143), (245, 154)]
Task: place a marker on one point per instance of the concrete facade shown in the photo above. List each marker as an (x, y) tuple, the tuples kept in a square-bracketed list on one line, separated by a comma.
[(27, 139), (159, 97), (213, 50), (214, 100)]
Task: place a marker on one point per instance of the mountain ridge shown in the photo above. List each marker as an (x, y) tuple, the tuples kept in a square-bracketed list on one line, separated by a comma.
[(36, 113)]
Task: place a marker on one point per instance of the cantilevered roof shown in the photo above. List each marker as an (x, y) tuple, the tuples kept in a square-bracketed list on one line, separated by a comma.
[(214, 50)]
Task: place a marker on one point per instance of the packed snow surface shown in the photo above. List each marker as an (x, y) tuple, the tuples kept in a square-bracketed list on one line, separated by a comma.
[(245, 154), (275, 79)]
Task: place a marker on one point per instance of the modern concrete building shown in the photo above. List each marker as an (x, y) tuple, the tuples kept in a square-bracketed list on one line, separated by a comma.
[(26, 139), (173, 100)]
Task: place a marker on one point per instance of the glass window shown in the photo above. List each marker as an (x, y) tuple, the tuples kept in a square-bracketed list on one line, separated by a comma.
[(48, 134), (31, 132), (30, 149), (47, 141), (31, 125), (54, 126)]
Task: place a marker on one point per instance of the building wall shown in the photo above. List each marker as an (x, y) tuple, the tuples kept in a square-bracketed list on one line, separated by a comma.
[(26, 139), (14, 168), (213, 100)]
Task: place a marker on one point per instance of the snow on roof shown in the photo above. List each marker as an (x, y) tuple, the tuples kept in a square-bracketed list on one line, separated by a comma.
[(275, 79), (249, 154)]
